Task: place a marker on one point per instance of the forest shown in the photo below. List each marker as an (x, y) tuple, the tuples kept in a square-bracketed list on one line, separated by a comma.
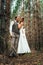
[(32, 11)]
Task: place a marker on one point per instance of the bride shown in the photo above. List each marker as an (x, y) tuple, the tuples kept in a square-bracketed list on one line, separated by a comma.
[(23, 46)]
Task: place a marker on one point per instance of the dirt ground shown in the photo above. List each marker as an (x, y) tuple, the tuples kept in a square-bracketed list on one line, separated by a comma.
[(26, 59)]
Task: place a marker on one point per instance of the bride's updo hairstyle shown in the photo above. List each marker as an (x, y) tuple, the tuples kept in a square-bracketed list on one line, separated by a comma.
[(22, 19)]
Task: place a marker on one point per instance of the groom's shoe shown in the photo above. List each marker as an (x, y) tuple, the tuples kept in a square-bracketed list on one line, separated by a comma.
[(13, 54)]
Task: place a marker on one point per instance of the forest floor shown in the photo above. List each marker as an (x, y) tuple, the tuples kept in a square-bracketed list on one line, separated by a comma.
[(35, 58)]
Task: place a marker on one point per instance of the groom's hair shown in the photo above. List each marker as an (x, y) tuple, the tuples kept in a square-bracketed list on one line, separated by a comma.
[(15, 17)]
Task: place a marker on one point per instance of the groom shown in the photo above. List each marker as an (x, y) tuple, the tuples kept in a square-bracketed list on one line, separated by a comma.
[(15, 29)]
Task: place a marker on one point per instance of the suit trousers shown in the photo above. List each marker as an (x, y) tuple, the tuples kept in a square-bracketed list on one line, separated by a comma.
[(14, 43)]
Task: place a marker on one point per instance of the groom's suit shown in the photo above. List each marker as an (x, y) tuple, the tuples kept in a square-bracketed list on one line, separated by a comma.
[(15, 38), (15, 30)]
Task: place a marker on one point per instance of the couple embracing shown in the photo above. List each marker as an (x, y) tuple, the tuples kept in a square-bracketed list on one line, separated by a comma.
[(20, 44)]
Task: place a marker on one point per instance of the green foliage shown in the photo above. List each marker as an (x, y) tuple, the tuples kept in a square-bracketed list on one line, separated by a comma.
[(41, 6), (39, 63), (16, 7), (26, 4)]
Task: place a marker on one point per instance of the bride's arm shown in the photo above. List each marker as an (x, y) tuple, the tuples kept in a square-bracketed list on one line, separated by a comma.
[(20, 25)]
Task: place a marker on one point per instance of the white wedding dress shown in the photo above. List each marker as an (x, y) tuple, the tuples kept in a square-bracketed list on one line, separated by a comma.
[(23, 46)]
